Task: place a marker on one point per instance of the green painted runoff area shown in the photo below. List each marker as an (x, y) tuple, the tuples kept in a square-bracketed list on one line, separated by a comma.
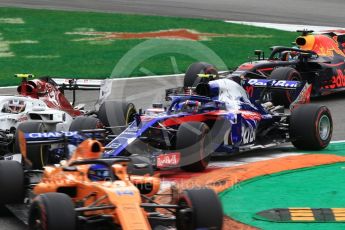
[(315, 187), (65, 43)]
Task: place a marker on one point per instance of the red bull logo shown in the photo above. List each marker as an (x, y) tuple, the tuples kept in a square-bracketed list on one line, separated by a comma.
[(323, 45)]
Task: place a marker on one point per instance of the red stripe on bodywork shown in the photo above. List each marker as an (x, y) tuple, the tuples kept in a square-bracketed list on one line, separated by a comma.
[(251, 115), (338, 64)]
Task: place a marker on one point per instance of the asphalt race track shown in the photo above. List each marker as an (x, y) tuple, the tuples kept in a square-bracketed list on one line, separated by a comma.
[(141, 92), (312, 12)]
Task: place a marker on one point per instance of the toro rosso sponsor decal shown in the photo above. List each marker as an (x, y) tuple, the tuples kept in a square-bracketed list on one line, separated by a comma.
[(248, 134), (248, 131), (50, 135), (273, 83), (168, 160)]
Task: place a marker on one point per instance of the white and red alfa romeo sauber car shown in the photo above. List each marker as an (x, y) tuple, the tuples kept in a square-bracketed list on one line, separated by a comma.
[(41, 106)]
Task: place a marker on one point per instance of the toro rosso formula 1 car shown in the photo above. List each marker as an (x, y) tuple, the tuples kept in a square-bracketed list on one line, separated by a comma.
[(318, 59), (219, 118), (63, 197)]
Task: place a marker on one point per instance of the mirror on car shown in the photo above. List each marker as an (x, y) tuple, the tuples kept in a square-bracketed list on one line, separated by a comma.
[(259, 54), (141, 166)]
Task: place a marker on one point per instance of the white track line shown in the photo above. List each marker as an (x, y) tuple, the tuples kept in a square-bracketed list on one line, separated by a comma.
[(287, 27)]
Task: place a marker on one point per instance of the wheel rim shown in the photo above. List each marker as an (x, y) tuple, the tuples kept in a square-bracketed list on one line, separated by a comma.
[(324, 127), (130, 116)]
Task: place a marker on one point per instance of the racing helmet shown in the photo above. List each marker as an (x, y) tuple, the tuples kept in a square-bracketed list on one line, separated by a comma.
[(14, 106), (189, 106)]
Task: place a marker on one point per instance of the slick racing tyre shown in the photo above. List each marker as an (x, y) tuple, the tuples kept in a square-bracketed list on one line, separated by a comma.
[(116, 113), (194, 144), (199, 209), (191, 78), (52, 211), (11, 182), (37, 154), (284, 97), (311, 127), (85, 123)]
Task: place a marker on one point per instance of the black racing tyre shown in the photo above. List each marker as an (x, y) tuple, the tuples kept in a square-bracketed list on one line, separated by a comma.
[(204, 210), (116, 113), (284, 97), (52, 211), (194, 144), (37, 154), (311, 127), (137, 159), (191, 78), (11, 182), (85, 123)]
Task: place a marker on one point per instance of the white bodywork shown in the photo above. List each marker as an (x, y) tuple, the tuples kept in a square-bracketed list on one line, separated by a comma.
[(231, 93), (35, 110)]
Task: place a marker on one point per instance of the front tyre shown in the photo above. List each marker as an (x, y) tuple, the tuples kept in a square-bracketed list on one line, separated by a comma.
[(199, 209), (311, 127), (37, 154), (116, 114), (85, 123), (52, 211), (11, 182), (194, 142)]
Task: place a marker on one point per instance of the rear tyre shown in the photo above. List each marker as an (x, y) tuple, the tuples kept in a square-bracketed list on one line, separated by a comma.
[(284, 97), (311, 127), (194, 144), (191, 78), (37, 154), (116, 113), (199, 209), (53, 211), (85, 123), (11, 182)]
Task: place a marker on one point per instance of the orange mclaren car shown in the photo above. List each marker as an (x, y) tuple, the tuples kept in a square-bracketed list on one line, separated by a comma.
[(63, 197)]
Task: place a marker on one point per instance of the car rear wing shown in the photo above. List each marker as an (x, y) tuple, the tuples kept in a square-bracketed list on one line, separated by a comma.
[(78, 84), (272, 84), (103, 85), (248, 85), (300, 91)]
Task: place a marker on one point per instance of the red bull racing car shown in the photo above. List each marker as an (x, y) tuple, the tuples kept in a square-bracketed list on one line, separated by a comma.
[(318, 59)]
